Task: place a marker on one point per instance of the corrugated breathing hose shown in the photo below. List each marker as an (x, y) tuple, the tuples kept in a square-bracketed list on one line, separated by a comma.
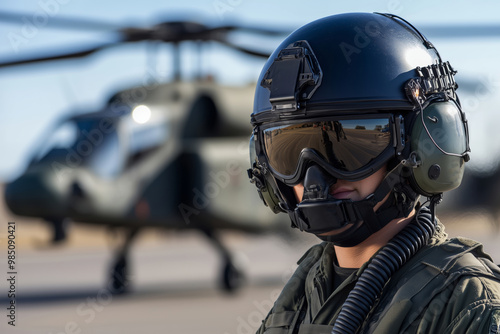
[(389, 259)]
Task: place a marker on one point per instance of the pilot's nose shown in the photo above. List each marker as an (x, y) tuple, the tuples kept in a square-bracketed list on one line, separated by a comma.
[(30, 195)]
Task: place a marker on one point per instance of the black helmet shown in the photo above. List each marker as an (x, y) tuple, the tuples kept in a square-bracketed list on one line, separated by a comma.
[(342, 97)]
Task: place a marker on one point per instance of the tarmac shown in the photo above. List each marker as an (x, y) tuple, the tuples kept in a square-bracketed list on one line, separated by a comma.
[(174, 278)]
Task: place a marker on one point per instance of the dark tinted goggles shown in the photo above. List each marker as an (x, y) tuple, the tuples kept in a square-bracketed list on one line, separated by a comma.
[(347, 146)]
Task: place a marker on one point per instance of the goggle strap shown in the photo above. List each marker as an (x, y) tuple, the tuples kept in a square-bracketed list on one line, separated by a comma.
[(398, 207), (387, 185)]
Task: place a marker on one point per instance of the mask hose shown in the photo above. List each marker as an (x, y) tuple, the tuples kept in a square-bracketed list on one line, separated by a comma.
[(388, 260)]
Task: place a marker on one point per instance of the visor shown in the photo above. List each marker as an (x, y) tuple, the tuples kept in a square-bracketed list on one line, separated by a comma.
[(345, 147)]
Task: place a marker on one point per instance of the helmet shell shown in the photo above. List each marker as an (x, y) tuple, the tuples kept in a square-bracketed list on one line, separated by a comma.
[(365, 60)]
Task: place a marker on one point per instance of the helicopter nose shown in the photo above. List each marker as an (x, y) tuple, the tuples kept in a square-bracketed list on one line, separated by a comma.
[(29, 195)]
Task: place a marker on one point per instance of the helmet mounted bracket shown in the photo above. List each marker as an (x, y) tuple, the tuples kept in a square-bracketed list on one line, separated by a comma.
[(431, 79), (293, 77)]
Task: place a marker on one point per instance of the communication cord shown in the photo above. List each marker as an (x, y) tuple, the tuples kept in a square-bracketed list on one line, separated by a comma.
[(389, 259)]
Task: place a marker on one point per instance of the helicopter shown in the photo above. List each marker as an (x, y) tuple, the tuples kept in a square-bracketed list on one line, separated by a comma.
[(163, 155)]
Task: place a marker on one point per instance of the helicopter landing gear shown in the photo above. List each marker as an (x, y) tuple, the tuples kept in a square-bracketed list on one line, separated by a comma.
[(59, 229), (232, 278), (119, 271)]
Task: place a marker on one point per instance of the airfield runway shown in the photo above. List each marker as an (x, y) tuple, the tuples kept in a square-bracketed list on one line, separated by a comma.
[(63, 289)]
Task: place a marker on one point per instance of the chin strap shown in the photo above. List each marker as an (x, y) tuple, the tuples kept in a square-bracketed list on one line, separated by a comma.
[(351, 221)]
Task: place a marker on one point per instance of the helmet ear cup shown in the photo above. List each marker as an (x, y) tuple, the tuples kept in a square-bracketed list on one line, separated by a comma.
[(269, 197), (439, 138)]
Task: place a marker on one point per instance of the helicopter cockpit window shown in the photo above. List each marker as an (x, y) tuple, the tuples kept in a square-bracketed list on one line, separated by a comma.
[(86, 142), (63, 137), (146, 131), (104, 152)]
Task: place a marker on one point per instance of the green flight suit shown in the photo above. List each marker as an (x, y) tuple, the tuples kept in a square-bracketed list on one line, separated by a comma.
[(449, 286)]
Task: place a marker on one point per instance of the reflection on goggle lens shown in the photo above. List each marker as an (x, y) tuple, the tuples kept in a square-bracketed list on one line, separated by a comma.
[(345, 144)]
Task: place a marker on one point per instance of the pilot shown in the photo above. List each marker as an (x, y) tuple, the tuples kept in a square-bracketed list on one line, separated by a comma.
[(358, 131)]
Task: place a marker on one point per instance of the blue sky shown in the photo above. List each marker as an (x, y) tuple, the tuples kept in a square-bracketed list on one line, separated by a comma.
[(33, 98)]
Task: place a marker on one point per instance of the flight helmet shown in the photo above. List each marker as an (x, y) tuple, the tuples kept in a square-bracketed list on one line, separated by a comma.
[(341, 98)]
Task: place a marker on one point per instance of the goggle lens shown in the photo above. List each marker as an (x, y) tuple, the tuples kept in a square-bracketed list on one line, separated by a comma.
[(347, 145)]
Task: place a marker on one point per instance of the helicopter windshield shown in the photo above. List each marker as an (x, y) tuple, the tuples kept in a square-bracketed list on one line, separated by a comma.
[(106, 155), (105, 145), (146, 130), (91, 142), (63, 136)]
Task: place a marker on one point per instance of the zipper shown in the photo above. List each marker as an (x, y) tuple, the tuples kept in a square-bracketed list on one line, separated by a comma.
[(321, 291)]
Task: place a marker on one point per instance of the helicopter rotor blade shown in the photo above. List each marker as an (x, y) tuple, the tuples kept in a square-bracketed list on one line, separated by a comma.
[(245, 50), (70, 55), (170, 32), (58, 22), (254, 30)]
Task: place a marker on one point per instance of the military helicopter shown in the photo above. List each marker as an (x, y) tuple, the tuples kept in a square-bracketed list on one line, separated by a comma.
[(165, 155)]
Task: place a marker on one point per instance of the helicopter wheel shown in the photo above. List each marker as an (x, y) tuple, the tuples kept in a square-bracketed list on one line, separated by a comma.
[(119, 278), (232, 277), (59, 229)]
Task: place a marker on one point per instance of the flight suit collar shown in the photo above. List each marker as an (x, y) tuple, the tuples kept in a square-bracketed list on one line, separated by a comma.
[(321, 297)]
